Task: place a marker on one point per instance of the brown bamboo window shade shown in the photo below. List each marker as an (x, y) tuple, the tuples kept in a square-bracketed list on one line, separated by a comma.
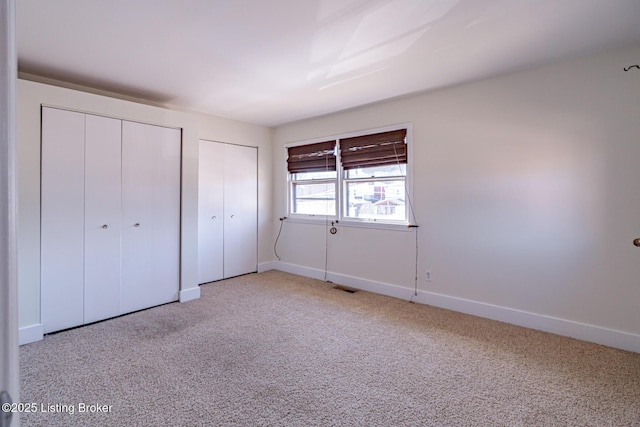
[(378, 149), (315, 157)]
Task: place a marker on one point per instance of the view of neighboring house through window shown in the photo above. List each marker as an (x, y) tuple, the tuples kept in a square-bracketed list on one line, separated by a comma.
[(376, 193), (361, 178)]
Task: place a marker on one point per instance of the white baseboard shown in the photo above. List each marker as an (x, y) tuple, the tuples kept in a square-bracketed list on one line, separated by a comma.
[(300, 270), (582, 331), (266, 266), (29, 334), (189, 294)]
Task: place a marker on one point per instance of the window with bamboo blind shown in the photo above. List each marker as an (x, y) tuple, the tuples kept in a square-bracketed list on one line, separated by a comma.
[(356, 178), (313, 179)]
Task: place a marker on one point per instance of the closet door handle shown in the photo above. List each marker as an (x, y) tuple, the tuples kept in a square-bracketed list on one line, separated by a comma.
[(232, 216), (137, 224), (105, 226), (213, 217)]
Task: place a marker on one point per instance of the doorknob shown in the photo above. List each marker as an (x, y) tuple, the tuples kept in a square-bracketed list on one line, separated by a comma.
[(213, 217), (105, 226), (232, 216), (636, 242), (137, 224), (5, 412)]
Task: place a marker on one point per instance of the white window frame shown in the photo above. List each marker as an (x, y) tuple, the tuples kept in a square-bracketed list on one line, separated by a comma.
[(291, 181), (341, 180), (346, 181)]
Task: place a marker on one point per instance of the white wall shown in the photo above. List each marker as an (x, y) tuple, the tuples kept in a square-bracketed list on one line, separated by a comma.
[(526, 193), (31, 95)]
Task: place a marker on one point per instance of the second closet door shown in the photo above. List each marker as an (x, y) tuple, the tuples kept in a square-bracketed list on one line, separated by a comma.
[(150, 215), (227, 211)]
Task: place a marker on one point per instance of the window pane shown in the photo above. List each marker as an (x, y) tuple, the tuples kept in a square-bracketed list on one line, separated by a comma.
[(313, 175), (378, 171), (381, 200), (314, 199)]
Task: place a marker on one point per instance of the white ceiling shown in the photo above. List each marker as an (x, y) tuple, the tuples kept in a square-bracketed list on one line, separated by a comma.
[(271, 62)]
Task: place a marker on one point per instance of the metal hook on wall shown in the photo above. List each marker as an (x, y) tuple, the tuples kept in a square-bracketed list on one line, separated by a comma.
[(632, 66)]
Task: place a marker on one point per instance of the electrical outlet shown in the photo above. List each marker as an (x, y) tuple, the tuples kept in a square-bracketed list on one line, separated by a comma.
[(428, 275)]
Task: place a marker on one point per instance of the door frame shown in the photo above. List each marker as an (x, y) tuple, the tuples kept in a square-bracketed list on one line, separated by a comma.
[(9, 372)]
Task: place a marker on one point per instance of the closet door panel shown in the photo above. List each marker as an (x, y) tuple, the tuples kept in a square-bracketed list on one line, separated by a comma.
[(241, 205), (210, 211), (150, 215), (62, 220), (102, 218)]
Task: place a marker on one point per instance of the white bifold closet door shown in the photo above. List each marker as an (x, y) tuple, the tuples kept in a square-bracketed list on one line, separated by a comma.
[(102, 223), (211, 212), (110, 237), (150, 215), (240, 210), (62, 223), (227, 211)]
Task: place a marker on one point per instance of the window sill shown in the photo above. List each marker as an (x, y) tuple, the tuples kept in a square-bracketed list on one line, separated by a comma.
[(321, 220)]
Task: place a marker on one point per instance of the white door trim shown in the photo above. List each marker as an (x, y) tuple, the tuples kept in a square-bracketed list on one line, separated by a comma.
[(9, 373)]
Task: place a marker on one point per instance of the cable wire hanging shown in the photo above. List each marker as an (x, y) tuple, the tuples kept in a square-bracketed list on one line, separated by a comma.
[(414, 225)]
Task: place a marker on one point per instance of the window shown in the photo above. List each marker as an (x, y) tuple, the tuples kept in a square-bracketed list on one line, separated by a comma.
[(313, 178), (375, 193), (361, 178), (374, 176)]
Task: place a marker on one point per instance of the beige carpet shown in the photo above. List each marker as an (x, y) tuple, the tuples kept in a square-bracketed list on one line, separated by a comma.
[(273, 349)]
